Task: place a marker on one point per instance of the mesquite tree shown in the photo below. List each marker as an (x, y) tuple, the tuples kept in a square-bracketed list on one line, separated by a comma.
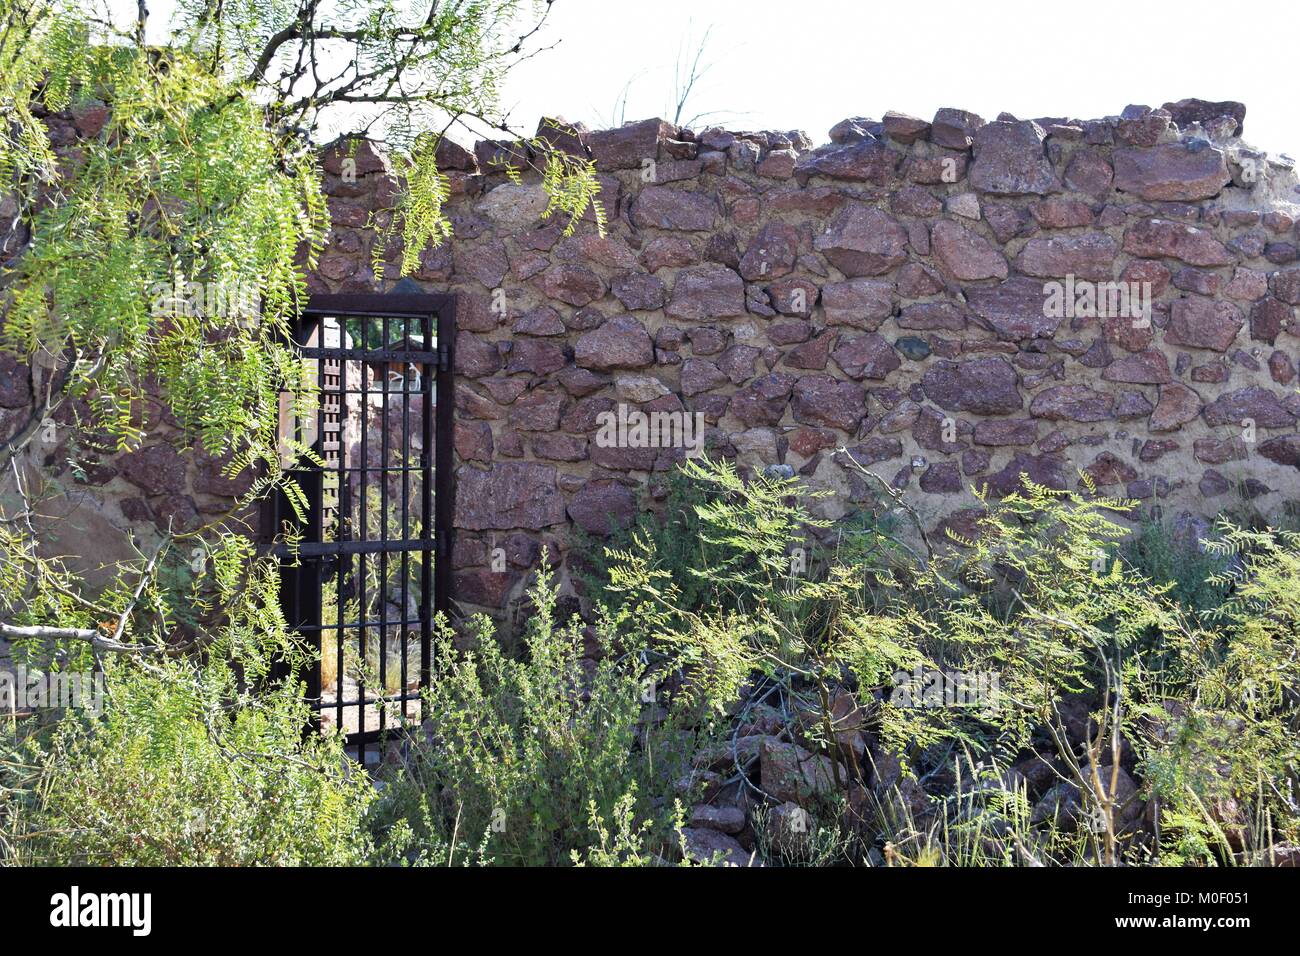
[(196, 169)]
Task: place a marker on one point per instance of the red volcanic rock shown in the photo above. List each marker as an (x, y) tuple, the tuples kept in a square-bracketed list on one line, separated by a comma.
[(1041, 469), (1268, 318), (1145, 368), (954, 129), (701, 375), (629, 146), (620, 343), (820, 400), (1107, 469), (1089, 256), (1217, 451), (508, 495), (927, 316), (1075, 403), (762, 401), (865, 161), (1010, 160), (1176, 406), (1204, 323), (941, 478), (866, 356), (577, 285), (1089, 172), (983, 386), (1015, 309), (1174, 171), (863, 241), (1164, 238), (812, 354), (860, 303), (706, 292), (537, 357), (639, 291), (916, 280), (1256, 404), (667, 207), (602, 507), (1284, 450), (474, 357), (965, 255), (1006, 431), (1057, 213), (905, 129)]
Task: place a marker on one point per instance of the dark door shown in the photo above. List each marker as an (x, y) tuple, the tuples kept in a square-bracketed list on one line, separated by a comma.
[(366, 554)]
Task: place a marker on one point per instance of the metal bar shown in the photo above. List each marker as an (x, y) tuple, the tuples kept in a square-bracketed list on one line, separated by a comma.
[(428, 523), (368, 355), (396, 469), (383, 534), (342, 529), (444, 501), (374, 700), (369, 304), (363, 506), (369, 622), (316, 530), (406, 503), (313, 549)]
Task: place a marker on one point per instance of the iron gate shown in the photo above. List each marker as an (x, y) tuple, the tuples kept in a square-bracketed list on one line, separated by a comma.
[(364, 574)]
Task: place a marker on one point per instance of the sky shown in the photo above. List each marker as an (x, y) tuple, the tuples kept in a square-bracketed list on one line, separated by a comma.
[(806, 64)]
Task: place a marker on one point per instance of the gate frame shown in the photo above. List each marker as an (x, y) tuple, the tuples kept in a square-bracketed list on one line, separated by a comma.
[(438, 433)]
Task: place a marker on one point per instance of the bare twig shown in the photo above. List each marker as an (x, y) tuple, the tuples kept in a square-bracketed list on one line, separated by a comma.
[(897, 498)]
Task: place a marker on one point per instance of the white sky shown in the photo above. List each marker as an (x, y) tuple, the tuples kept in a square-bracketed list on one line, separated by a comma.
[(806, 64)]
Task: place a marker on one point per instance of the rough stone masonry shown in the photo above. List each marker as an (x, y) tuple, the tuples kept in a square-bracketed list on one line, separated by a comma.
[(940, 298), (955, 302)]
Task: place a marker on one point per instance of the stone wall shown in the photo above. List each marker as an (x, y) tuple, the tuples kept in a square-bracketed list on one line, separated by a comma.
[(891, 292)]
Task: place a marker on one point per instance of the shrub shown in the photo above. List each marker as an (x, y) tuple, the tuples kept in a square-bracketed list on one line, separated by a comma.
[(1101, 670), (530, 761), (674, 536), (1219, 741), (200, 755), (1165, 556), (171, 777), (763, 614)]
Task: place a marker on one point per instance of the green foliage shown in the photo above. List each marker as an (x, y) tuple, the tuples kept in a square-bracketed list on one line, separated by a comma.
[(556, 759), (1200, 703), (417, 218), (1040, 598), (165, 252), (530, 759), (196, 760), (1220, 744), (626, 845), (172, 776), (758, 614), (1164, 557), (826, 839), (673, 536)]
